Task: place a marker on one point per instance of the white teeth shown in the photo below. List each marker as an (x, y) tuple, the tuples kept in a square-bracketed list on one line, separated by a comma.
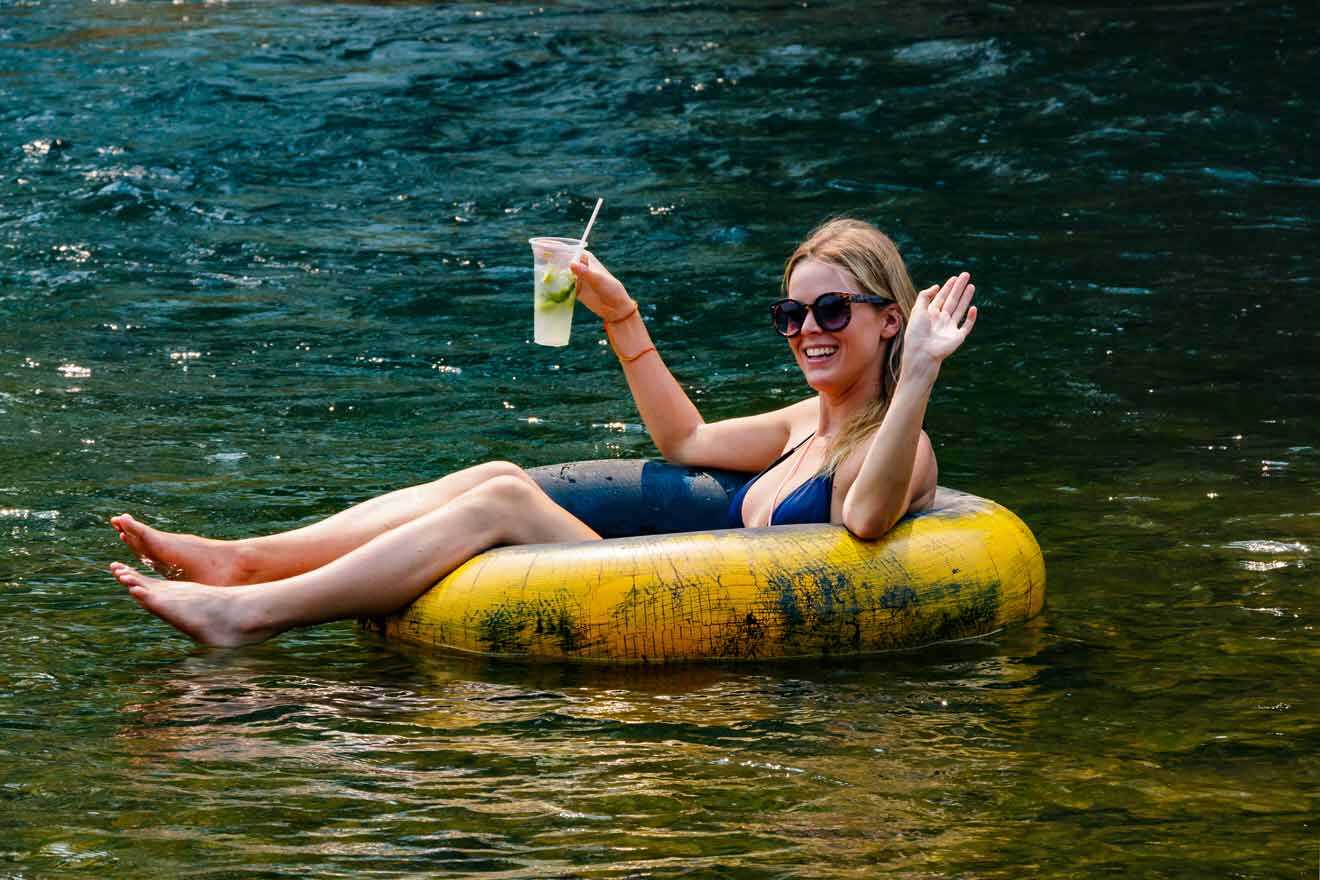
[(821, 350)]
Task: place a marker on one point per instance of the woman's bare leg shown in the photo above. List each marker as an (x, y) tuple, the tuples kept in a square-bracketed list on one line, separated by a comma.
[(381, 576), (271, 557)]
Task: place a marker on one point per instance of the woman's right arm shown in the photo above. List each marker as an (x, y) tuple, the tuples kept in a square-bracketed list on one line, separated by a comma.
[(675, 425)]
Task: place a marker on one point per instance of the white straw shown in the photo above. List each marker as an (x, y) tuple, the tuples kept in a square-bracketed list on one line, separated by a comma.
[(583, 245)]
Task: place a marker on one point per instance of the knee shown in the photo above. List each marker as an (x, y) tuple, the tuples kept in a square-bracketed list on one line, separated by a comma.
[(494, 470), (507, 491), (481, 473), (499, 503)]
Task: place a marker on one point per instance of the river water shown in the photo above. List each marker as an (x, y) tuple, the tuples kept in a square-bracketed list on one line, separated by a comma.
[(259, 261)]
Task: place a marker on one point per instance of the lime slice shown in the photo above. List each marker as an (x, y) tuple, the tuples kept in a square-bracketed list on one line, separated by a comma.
[(557, 285)]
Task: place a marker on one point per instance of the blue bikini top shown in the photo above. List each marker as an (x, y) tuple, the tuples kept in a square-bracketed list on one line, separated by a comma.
[(808, 503)]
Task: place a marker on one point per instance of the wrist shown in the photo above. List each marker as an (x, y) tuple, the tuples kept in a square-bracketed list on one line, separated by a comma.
[(919, 371), (622, 312)]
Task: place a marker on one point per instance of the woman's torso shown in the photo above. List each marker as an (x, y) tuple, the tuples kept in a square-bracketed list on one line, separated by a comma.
[(796, 483)]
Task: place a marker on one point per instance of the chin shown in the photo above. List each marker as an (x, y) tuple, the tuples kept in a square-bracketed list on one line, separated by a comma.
[(821, 379)]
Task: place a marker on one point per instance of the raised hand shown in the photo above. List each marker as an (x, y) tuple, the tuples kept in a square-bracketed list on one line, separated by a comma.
[(941, 319), (598, 290)]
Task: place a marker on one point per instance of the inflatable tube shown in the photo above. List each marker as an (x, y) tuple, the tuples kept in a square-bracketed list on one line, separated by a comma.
[(669, 585)]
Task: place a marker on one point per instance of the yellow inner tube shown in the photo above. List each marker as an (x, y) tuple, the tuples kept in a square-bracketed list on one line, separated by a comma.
[(965, 567)]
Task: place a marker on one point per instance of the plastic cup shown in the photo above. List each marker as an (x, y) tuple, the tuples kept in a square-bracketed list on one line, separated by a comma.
[(554, 290)]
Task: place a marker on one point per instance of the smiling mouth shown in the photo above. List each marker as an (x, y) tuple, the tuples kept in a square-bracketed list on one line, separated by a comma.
[(816, 353)]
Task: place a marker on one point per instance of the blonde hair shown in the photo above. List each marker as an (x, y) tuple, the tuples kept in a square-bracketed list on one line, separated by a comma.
[(869, 256)]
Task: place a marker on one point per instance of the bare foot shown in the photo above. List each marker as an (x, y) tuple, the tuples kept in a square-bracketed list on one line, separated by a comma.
[(206, 614), (197, 559)]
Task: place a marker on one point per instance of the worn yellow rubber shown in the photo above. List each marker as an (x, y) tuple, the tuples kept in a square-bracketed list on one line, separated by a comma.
[(966, 567)]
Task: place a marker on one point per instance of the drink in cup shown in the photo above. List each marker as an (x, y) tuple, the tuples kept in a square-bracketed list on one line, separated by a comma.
[(555, 289)]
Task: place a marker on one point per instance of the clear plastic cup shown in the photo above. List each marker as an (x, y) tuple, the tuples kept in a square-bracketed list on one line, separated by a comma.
[(554, 290)]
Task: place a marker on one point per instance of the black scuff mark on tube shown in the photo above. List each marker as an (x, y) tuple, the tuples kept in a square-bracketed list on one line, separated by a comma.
[(899, 598), (743, 639), (501, 630), (515, 627), (787, 602), (974, 615), (819, 609)]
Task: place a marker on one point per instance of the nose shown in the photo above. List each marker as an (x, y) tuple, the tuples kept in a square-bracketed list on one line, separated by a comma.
[(809, 324)]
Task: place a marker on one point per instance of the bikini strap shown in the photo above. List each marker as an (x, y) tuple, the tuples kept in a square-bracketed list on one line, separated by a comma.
[(774, 499), (737, 501), (780, 460), (804, 442)]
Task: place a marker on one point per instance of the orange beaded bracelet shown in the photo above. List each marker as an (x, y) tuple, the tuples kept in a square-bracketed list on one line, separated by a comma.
[(631, 312), (628, 360)]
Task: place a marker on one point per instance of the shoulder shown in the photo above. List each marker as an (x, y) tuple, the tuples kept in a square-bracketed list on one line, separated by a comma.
[(803, 414), (802, 419), (807, 406), (797, 419)]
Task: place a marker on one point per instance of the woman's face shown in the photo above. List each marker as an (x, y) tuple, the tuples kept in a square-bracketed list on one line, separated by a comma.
[(836, 362)]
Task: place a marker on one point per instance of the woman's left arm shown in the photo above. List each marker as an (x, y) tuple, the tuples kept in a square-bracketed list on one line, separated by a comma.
[(899, 465)]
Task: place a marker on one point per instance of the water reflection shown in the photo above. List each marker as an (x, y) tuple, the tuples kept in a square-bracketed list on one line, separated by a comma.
[(844, 764)]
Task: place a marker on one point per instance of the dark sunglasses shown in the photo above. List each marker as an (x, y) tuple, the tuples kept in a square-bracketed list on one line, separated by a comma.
[(833, 311)]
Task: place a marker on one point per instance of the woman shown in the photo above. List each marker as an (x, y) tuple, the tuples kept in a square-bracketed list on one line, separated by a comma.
[(855, 454)]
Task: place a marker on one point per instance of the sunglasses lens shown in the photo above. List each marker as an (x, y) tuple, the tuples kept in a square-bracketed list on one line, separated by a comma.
[(789, 316), (832, 312)]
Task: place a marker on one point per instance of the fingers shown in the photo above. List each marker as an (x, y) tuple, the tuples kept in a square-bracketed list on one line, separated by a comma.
[(970, 322), (588, 268), (951, 293), (937, 301), (964, 302)]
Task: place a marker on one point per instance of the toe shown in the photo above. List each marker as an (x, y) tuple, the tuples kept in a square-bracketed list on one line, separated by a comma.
[(126, 575)]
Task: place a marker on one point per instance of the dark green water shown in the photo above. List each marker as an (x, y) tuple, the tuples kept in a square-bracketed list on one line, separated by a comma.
[(261, 260)]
